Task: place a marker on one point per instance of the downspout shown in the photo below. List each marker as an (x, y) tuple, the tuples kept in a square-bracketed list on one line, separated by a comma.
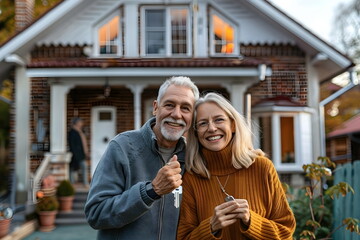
[(263, 71), (195, 9), (353, 82)]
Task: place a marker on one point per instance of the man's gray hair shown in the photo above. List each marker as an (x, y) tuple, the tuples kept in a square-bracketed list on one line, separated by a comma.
[(178, 81), (75, 120)]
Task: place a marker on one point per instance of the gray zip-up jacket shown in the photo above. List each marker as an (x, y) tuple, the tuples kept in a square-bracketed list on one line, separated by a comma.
[(118, 204)]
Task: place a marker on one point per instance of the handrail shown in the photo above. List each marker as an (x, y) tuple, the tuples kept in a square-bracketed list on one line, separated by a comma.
[(37, 177)]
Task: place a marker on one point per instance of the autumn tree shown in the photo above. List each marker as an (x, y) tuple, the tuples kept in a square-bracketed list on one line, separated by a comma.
[(7, 15), (346, 27), (346, 36)]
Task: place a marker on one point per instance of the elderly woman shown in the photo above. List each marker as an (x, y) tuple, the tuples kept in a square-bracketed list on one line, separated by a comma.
[(230, 190)]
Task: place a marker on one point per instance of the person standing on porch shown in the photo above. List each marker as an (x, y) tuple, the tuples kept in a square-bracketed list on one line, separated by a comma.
[(130, 195), (79, 149)]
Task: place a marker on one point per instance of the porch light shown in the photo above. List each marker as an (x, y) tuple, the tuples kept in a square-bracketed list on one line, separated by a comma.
[(107, 89), (6, 213)]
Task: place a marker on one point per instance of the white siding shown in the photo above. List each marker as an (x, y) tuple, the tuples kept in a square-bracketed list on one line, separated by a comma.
[(304, 134), (78, 27), (254, 27)]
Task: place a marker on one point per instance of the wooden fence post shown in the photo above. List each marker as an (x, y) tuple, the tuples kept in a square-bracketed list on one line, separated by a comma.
[(356, 198), (348, 206), (338, 204)]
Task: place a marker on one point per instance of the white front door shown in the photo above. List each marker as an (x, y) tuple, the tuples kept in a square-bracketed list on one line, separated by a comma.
[(103, 129)]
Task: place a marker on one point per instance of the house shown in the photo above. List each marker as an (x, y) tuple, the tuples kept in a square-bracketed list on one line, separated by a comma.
[(103, 61), (343, 144)]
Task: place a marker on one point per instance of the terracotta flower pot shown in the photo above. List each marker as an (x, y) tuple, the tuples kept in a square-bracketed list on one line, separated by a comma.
[(47, 220), (66, 203), (4, 227), (49, 191)]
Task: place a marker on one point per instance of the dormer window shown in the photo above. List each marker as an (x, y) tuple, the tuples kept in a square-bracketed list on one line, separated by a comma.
[(166, 31), (108, 37), (222, 35)]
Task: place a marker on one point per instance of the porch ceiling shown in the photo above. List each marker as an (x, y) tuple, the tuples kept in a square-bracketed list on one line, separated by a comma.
[(204, 67), (144, 62)]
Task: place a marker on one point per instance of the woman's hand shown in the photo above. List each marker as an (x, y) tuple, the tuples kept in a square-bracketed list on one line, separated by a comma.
[(243, 211), (224, 215), (228, 213)]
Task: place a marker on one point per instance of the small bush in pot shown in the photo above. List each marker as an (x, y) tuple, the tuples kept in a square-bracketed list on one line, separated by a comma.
[(47, 203), (65, 189), (65, 193), (47, 208)]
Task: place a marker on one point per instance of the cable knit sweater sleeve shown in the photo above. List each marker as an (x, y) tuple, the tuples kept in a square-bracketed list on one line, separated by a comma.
[(271, 216), (279, 221)]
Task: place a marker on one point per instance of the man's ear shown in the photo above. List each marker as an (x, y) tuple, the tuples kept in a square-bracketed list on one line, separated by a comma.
[(155, 107)]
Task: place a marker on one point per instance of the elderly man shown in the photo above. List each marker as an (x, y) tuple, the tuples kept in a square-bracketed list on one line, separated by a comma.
[(131, 192)]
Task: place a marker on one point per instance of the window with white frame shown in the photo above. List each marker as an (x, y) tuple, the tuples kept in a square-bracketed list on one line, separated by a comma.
[(222, 35), (108, 36), (286, 139), (166, 31)]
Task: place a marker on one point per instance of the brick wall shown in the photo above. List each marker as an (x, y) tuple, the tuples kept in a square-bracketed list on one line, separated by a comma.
[(39, 112), (24, 11), (81, 100), (12, 126), (288, 77)]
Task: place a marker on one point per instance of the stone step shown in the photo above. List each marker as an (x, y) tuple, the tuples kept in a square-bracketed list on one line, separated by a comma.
[(80, 196), (77, 215), (72, 214), (78, 205), (69, 221)]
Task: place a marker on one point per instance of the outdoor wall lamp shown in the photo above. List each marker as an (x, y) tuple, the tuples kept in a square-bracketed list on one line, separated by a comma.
[(5, 212)]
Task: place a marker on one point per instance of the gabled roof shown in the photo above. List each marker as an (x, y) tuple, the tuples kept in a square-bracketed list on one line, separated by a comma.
[(350, 126), (336, 62), (36, 28), (325, 51)]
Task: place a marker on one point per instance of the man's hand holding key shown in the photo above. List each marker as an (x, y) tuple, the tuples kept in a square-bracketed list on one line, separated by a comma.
[(168, 177)]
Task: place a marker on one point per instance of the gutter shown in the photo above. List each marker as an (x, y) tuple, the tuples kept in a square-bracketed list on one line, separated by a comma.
[(354, 81)]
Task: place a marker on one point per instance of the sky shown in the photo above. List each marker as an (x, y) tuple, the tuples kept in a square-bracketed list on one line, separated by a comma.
[(316, 15)]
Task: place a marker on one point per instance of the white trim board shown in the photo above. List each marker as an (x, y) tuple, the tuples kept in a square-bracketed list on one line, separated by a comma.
[(144, 72)]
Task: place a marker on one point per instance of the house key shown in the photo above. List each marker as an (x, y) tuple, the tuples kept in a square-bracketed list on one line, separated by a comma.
[(177, 193), (229, 198)]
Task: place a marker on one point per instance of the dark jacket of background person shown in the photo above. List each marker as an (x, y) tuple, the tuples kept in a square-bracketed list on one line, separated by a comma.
[(76, 148)]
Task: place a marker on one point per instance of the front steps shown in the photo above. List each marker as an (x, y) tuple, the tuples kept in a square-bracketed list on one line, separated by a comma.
[(77, 215)]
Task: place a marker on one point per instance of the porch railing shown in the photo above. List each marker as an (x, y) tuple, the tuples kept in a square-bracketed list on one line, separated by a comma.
[(55, 164), (35, 180)]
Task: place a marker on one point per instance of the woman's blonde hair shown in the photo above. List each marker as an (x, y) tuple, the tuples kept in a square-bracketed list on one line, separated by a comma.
[(243, 153)]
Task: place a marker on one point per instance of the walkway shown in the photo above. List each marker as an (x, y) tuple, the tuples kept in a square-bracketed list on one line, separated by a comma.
[(65, 232)]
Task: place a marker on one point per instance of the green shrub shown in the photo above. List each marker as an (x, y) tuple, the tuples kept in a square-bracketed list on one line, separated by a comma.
[(312, 205), (302, 212), (65, 189), (48, 203)]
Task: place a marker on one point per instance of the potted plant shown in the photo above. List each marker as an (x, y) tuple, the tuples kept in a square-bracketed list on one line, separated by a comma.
[(5, 212), (48, 185), (5, 220), (46, 209), (65, 193)]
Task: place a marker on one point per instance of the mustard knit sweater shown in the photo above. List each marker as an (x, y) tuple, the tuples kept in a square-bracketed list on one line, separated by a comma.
[(270, 214)]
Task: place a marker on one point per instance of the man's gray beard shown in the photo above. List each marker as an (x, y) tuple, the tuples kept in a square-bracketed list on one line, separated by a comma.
[(171, 135)]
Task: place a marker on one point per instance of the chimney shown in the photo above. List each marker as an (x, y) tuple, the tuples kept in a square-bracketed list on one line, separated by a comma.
[(24, 12)]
